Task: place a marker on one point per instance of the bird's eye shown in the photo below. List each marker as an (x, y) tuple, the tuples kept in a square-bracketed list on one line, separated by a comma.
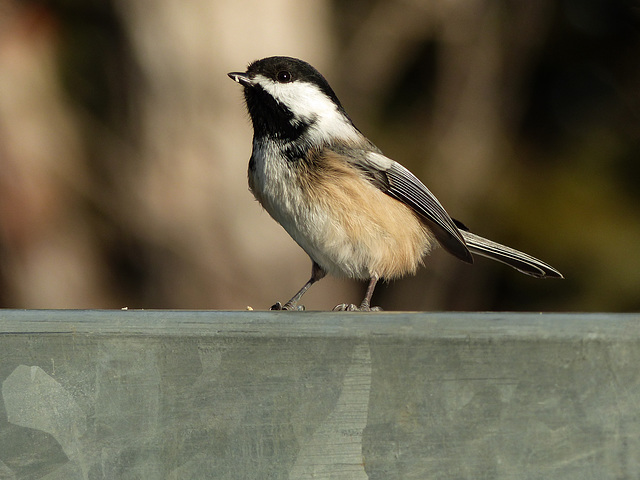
[(283, 77)]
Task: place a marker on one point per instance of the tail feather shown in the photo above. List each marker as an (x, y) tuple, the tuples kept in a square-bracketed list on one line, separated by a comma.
[(520, 261)]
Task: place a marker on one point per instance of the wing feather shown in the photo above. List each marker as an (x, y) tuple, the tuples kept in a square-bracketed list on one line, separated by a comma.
[(399, 183)]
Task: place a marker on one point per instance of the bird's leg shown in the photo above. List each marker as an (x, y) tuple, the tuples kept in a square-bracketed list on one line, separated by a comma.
[(366, 302), (316, 274), (365, 306)]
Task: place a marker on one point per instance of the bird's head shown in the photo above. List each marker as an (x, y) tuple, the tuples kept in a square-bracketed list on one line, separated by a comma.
[(289, 100)]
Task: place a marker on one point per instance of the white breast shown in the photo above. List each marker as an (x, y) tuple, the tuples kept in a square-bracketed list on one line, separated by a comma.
[(276, 186), (343, 225)]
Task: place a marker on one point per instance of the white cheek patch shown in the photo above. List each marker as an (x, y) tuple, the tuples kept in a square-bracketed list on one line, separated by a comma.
[(310, 105)]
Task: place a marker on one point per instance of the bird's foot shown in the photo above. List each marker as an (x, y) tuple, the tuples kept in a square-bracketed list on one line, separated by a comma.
[(350, 307), (287, 306)]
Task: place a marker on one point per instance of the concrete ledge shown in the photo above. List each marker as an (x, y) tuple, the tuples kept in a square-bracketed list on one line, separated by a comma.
[(280, 395)]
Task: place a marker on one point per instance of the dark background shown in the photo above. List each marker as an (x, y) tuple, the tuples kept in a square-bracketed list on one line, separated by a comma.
[(123, 147)]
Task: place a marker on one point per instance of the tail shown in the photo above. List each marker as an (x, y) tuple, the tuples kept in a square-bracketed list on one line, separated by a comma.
[(520, 261)]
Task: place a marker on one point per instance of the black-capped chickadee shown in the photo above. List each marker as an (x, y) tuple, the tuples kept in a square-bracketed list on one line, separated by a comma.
[(357, 213)]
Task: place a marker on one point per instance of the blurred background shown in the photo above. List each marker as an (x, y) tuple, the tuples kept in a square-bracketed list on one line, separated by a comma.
[(124, 147)]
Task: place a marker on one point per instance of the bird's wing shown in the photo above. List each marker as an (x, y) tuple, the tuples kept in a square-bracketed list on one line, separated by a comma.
[(399, 183)]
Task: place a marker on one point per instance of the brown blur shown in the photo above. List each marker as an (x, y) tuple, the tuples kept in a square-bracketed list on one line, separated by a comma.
[(123, 147)]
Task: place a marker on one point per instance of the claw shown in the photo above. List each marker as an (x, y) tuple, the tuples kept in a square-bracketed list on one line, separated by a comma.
[(345, 307), (287, 306), (350, 307)]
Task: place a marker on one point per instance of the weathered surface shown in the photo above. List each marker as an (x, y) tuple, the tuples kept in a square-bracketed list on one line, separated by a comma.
[(257, 395)]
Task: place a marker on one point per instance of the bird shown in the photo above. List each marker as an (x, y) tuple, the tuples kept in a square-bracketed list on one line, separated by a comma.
[(356, 212)]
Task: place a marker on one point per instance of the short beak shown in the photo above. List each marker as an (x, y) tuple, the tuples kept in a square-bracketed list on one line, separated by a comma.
[(242, 78)]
